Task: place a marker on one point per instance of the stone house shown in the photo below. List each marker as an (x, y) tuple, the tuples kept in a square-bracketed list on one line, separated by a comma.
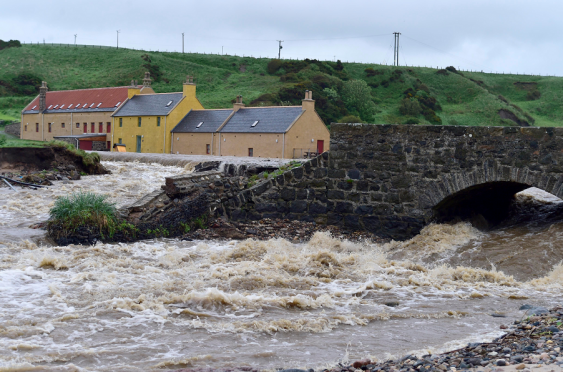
[(291, 132), (144, 122), (79, 116)]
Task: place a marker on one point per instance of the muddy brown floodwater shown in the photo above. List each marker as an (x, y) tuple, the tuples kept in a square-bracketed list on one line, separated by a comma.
[(166, 304)]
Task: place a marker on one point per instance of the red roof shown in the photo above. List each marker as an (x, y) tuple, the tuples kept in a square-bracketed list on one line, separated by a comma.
[(100, 98)]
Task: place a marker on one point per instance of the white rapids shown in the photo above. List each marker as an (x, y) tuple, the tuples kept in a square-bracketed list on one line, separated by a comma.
[(171, 304)]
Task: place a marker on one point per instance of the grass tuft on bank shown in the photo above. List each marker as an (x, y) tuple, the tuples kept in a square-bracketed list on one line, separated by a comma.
[(83, 208)]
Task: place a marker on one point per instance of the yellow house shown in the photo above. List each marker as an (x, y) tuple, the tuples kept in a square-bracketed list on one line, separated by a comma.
[(144, 122), (290, 132)]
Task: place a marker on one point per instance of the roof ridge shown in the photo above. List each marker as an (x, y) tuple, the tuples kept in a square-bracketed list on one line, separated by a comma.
[(76, 90), (259, 107)]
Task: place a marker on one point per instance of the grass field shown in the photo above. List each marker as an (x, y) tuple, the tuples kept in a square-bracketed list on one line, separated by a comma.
[(456, 98)]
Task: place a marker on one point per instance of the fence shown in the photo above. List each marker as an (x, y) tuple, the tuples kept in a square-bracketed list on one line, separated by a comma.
[(287, 59)]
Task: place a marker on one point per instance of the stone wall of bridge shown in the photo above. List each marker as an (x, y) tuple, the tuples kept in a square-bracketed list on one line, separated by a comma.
[(395, 179)]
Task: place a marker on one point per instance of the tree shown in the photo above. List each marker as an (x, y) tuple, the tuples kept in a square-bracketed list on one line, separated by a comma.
[(357, 96)]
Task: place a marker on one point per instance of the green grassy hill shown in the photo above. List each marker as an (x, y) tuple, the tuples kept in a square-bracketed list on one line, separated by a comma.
[(372, 93)]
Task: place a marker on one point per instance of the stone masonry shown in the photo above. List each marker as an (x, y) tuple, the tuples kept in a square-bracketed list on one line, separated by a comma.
[(394, 179)]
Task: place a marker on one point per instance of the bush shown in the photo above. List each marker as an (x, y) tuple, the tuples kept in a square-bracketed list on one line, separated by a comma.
[(533, 95), (9, 44), (83, 208), (412, 121), (3, 140), (273, 66), (350, 119), (409, 107)]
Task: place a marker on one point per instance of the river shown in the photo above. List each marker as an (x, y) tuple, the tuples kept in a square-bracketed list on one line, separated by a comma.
[(168, 304)]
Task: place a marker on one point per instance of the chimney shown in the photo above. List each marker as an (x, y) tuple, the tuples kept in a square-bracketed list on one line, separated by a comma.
[(189, 87), (43, 96), (238, 104), (308, 103), (133, 90), (147, 80)]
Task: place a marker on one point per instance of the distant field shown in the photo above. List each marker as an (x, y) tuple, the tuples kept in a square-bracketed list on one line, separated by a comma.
[(366, 92)]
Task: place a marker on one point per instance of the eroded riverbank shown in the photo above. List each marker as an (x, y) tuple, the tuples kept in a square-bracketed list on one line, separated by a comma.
[(169, 303)]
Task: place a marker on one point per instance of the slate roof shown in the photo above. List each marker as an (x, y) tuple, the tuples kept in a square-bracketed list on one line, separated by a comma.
[(150, 105), (103, 100), (212, 120), (270, 119)]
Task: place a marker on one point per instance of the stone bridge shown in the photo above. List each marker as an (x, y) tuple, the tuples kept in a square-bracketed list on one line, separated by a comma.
[(395, 179)]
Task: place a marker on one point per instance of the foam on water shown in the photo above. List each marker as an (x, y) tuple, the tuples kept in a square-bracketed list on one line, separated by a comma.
[(169, 304)]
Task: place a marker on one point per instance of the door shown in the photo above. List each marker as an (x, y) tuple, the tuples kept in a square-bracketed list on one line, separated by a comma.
[(85, 145), (320, 146), (139, 139)]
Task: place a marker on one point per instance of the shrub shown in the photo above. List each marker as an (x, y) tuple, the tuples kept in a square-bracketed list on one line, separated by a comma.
[(409, 107), (370, 72), (9, 44), (273, 66), (412, 121), (350, 119), (424, 88), (3, 140), (442, 72), (451, 69), (533, 95), (357, 95)]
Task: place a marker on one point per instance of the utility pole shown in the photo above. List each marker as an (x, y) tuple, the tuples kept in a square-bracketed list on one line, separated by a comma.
[(280, 48), (118, 31), (221, 50), (75, 39), (182, 43), (396, 52)]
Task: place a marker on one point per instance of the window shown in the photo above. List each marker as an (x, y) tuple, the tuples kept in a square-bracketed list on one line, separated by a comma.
[(62, 106), (109, 127), (33, 108), (120, 141), (254, 124), (208, 149), (37, 127), (70, 106), (77, 106), (50, 127), (85, 105), (200, 124), (117, 104), (55, 107), (77, 125), (48, 108), (92, 105), (120, 122), (93, 127), (85, 127), (168, 104), (99, 104), (250, 152), (139, 122), (25, 128), (101, 126), (62, 125), (158, 121)]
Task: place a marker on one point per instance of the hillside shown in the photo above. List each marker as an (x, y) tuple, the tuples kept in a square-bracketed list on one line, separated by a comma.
[(374, 93)]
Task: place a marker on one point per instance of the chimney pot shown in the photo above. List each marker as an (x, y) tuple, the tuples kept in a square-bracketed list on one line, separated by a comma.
[(147, 80)]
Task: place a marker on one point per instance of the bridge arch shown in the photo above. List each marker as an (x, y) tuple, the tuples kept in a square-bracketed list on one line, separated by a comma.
[(484, 193)]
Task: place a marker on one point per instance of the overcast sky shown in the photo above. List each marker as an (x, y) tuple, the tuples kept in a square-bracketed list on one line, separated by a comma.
[(490, 35)]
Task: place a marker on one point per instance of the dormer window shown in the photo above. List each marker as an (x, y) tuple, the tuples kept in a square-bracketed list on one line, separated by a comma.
[(199, 125), (254, 124), (168, 104)]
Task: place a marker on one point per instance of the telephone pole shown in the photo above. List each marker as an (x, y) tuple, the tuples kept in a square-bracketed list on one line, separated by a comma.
[(396, 51), (280, 48), (182, 43), (118, 31), (75, 38)]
